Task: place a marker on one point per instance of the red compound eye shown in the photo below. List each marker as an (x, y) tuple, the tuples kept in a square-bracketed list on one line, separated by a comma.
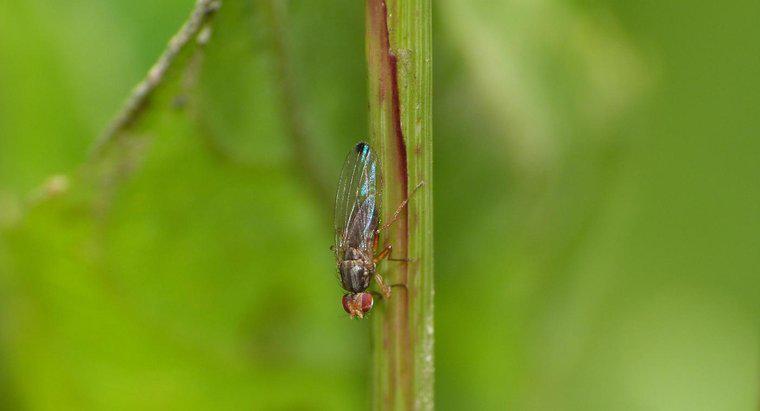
[(346, 300), (352, 302), (366, 302)]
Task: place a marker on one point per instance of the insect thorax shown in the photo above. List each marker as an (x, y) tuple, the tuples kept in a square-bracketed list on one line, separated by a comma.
[(356, 270)]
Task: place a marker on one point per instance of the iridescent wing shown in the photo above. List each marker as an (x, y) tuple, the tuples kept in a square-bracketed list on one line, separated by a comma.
[(356, 202)]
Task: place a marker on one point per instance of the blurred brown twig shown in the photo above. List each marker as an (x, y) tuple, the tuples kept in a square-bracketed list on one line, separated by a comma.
[(140, 96)]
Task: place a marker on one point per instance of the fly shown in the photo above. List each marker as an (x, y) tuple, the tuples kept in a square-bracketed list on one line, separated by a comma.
[(357, 226)]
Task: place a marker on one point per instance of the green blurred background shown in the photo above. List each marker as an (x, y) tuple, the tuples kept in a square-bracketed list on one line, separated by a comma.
[(597, 194)]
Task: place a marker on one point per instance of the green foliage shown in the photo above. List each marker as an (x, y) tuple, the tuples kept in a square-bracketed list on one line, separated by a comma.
[(184, 258), (596, 207)]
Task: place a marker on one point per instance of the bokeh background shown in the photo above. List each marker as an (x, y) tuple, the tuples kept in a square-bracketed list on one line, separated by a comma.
[(597, 194)]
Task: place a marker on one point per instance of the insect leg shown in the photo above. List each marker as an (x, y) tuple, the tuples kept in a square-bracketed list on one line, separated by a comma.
[(384, 288), (375, 241), (401, 207), (383, 295), (386, 255), (403, 260), (383, 254)]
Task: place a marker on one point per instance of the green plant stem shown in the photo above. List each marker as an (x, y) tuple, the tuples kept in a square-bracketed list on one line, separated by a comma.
[(400, 114)]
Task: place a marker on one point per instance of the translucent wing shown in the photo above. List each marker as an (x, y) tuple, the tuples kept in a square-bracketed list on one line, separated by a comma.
[(356, 208)]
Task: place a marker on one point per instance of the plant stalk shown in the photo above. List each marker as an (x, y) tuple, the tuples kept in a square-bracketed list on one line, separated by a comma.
[(398, 42)]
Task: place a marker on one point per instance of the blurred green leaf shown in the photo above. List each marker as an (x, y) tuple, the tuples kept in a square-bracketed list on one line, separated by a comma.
[(596, 207), (536, 271), (168, 275)]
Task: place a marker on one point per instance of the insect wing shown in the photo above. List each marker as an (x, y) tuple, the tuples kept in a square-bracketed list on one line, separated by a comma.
[(356, 207)]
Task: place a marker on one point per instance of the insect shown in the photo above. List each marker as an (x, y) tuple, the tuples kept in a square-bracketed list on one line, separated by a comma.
[(357, 229)]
